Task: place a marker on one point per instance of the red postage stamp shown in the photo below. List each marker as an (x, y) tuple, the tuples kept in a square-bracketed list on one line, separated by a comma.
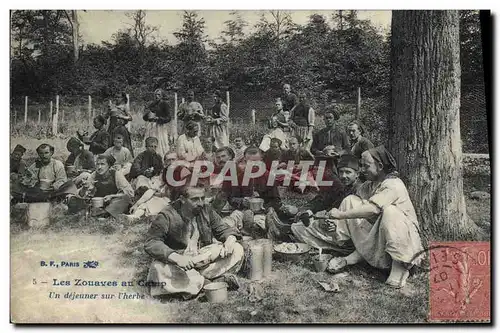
[(460, 284)]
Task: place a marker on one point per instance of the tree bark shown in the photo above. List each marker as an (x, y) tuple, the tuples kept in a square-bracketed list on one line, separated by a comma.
[(425, 122)]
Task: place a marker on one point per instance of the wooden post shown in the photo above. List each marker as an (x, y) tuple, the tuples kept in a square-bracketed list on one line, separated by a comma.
[(174, 127), (90, 110), (358, 104), (55, 116), (39, 116), (128, 102), (25, 109), (228, 101), (253, 117)]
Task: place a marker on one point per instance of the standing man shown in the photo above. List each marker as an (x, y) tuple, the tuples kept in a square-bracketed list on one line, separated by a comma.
[(189, 110), (160, 118), (217, 121), (359, 144), (330, 136), (302, 120), (289, 99)]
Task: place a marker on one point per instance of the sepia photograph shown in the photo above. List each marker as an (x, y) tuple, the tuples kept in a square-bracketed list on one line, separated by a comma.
[(250, 166)]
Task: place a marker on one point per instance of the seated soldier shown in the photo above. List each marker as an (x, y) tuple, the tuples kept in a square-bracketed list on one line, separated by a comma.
[(181, 242), (275, 132), (331, 135), (238, 197), (17, 165), (147, 166), (222, 156), (208, 144), (380, 221), (151, 201), (122, 130), (44, 180), (297, 154), (189, 147), (121, 154), (273, 153), (80, 162), (100, 140), (109, 184), (359, 143), (314, 233)]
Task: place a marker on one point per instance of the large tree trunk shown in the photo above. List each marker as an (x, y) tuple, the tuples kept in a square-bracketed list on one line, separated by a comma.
[(425, 123)]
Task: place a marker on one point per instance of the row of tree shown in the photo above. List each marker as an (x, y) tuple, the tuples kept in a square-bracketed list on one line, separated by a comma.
[(329, 56)]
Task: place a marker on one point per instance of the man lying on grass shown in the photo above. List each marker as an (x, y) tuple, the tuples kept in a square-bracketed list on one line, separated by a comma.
[(181, 242)]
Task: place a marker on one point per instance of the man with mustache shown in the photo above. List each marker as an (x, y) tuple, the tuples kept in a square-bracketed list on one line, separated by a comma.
[(181, 242), (313, 232)]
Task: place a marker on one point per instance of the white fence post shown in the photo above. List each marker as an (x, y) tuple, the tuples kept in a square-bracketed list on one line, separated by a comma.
[(55, 116), (39, 116), (62, 112), (253, 117)]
